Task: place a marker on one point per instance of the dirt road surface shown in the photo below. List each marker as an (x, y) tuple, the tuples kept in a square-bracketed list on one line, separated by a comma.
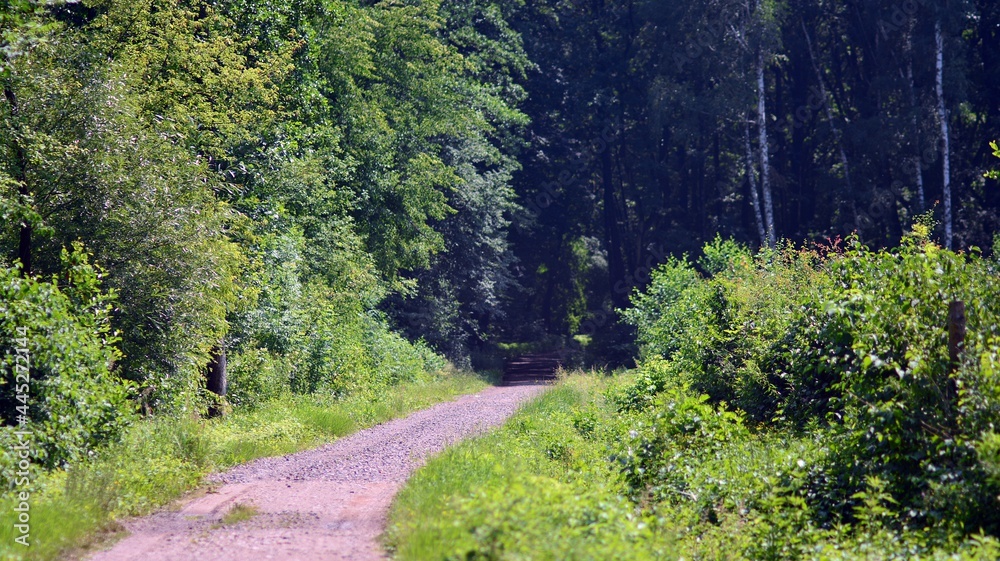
[(328, 503)]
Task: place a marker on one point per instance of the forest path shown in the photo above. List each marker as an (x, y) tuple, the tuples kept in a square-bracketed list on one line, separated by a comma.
[(327, 503)]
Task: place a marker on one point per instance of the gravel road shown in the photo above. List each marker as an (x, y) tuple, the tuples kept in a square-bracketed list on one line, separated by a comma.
[(327, 503)]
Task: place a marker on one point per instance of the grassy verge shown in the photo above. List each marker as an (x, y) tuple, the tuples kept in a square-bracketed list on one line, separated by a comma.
[(162, 458), (599, 468), (540, 487)]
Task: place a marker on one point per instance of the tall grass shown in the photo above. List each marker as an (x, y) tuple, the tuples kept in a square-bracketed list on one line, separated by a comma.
[(540, 487), (160, 459)]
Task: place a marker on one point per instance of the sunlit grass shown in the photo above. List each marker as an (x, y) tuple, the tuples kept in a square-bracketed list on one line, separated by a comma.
[(527, 488)]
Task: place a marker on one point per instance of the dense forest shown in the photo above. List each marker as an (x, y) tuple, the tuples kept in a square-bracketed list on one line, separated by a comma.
[(210, 204), (656, 125), (831, 402)]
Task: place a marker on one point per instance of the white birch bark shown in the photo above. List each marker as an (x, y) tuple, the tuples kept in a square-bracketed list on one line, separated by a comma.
[(752, 180), (945, 138), (765, 158)]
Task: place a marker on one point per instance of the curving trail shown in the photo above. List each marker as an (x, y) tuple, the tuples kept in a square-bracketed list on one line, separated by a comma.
[(327, 503)]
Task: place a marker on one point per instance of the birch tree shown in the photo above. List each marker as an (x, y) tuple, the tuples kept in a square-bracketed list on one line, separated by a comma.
[(942, 114), (758, 36)]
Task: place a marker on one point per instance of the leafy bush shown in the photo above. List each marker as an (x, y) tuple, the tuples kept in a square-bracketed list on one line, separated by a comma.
[(851, 344), (74, 403), (899, 410), (257, 376), (861, 345), (652, 377), (312, 337), (680, 429), (664, 313), (687, 481), (722, 333), (396, 360), (721, 255)]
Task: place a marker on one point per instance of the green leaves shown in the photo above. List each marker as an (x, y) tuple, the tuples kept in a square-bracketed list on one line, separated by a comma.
[(253, 175), (23, 24), (73, 401), (853, 347), (994, 174)]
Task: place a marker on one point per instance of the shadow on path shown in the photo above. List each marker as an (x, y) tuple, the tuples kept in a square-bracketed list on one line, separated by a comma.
[(532, 369)]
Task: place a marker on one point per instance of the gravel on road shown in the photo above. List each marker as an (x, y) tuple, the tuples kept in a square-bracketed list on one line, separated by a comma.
[(327, 503)]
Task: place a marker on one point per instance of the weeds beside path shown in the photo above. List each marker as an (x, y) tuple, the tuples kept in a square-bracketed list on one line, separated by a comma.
[(327, 503)]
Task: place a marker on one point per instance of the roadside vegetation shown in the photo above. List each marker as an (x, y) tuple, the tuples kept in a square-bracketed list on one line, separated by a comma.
[(158, 460), (796, 403), (233, 228), (290, 215)]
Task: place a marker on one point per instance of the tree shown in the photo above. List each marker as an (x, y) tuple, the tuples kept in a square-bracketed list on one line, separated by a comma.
[(942, 115), (22, 25)]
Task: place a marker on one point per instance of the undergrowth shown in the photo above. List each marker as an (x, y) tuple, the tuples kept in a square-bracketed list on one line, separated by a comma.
[(587, 472), (538, 488), (796, 403)]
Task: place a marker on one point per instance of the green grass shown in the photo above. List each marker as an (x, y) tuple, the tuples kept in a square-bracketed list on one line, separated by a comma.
[(538, 488), (160, 459), (550, 484), (239, 513)]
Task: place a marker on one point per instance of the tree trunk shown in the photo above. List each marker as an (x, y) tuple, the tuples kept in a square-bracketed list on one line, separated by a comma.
[(216, 378), (945, 138), (21, 176), (752, 181), (765, 158), (918, 171)]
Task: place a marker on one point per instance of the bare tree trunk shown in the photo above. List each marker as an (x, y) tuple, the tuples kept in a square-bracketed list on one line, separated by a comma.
[(918, 171), (21, 176), (752, 181), (945, 138), (216, 381), (765, 158), (833, 124)]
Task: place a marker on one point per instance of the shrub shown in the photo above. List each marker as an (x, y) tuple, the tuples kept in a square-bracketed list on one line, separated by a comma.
[(664, 313), (394, 359), (257, 376), (73, 401), (723, 333), (899, 410), (721, 255), (680, 429), (852, 345), (652, 377)]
